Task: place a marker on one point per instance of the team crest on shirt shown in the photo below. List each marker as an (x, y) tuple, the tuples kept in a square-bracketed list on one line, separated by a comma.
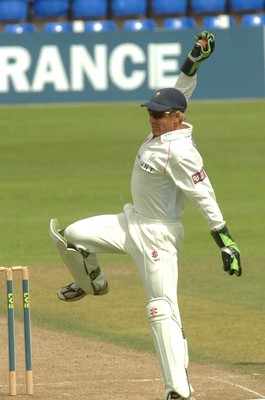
[(152, 157), (155, 255), (198, 177)]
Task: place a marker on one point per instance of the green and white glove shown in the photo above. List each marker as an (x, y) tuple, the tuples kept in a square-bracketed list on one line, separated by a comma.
[(230, 251), (203, 48)]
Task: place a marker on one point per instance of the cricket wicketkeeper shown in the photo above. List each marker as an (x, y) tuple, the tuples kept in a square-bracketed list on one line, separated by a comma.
[(167, 168)]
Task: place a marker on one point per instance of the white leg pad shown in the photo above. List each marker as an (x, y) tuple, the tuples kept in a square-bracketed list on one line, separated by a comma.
[(170, 347), (91, 281)]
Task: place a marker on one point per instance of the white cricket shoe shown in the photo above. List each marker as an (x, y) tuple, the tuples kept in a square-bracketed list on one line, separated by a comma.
[(73, 292)]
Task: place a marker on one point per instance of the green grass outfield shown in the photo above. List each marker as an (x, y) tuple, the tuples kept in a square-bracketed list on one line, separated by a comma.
[(75, 161)]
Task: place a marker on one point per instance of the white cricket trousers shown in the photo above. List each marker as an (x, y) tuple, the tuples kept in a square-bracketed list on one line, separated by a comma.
[(154, 247)]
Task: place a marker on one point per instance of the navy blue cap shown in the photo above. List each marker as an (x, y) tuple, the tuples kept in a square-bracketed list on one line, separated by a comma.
[(167, 99)]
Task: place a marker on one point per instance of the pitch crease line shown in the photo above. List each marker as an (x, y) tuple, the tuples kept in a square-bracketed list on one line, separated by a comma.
[(60, 383), (238, 386)]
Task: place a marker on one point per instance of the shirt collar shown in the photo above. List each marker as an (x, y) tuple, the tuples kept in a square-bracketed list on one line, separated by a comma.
[(178, 134)]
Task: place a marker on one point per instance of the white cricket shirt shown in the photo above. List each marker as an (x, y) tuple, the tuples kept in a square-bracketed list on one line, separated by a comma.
[(166, 169)]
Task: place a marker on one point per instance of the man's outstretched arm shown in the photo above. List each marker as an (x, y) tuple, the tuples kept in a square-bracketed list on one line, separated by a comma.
[(202, 49)]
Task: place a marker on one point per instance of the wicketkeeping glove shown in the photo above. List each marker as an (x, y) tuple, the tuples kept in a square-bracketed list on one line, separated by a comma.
[(203, 48), (230, 251)]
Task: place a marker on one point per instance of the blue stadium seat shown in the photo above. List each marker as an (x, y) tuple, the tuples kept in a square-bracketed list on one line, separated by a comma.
[(97, 26), (253, 19), (51, 8), (57, 27), (139, 24), (218, 21), (161, 7), (90, 9), (179, 23), (20, 28), (123, 8), (11, 10), (246, 5), (208, 6)]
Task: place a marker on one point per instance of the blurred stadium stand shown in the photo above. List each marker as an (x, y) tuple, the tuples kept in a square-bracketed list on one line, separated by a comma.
[(14, 10), (58, 27), (139, 24), (97, 26), (246, 5), (208, 6), (218, 22), (112, 14), (89, 9), (169, 7), (20, 28), (179, 23), (253, 19), (125, 8), (47, 8)]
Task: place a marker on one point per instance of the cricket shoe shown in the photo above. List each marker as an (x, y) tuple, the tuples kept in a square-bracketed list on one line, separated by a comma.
[(73, 292), (175, 396)]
